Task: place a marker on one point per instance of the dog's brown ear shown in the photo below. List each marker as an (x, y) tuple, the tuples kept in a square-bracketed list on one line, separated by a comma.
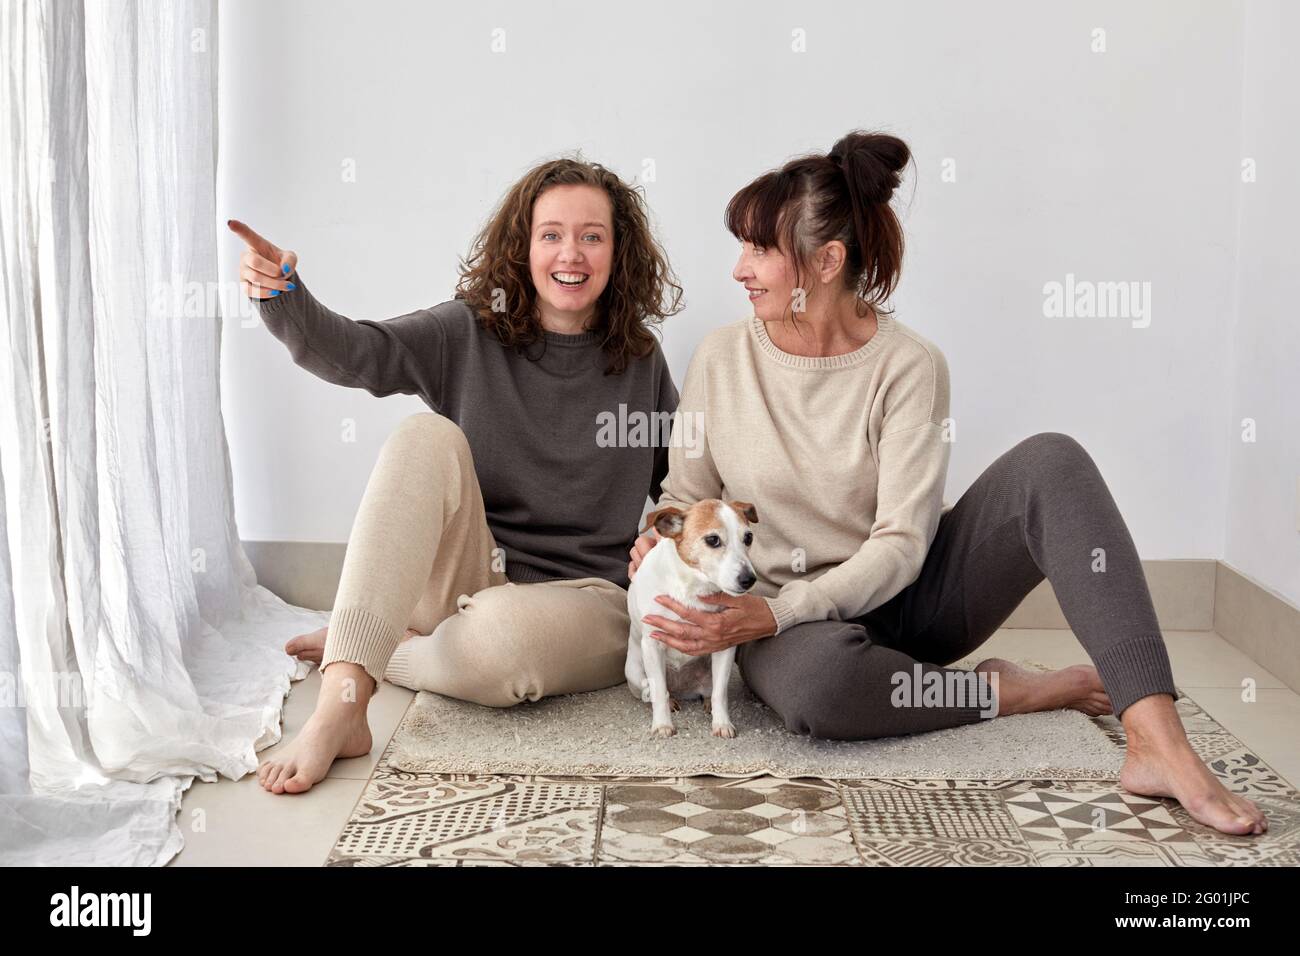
[(667, 521), (747, 510)]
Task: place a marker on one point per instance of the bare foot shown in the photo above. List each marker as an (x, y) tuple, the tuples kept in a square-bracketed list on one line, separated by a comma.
[(1022, 691), (1161, 763), (307, 647), (311, 647), (337, 728)]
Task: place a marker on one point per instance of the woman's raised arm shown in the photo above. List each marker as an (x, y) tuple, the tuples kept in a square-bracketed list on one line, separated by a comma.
[(402, 354)]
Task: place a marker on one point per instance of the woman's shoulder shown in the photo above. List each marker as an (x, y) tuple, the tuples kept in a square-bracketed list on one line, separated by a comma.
[(915, 370), (454, 313), (456, 322), (910, 351), (724, 341)]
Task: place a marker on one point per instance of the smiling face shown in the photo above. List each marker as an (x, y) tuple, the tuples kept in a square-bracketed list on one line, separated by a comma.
[(769, 280), (570, 254)]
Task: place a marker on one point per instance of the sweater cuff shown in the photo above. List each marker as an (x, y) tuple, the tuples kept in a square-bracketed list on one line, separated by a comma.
[(399, 670), (275, 302), (782, 611), (799, 601)]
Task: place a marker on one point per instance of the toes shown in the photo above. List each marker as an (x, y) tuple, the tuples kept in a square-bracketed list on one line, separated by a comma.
[(1245, 816), (1251, 814), (298, 783), (266, 773), (300, 647)]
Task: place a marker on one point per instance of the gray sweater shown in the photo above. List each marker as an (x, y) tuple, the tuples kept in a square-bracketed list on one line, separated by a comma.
[(560, 500)]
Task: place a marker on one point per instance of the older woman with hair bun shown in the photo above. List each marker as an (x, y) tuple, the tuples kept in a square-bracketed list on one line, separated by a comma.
[(831, 415)]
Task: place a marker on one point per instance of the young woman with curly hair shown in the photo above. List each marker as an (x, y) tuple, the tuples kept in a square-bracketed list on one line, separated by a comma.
[(488, 557)]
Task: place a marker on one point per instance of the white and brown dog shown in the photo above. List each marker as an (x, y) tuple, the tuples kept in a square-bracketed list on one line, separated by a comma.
[(703, 550)]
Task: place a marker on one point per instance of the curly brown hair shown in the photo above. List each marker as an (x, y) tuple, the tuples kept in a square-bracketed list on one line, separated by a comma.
[(642, 289)]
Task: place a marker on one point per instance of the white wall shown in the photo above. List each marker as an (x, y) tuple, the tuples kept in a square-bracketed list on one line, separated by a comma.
[(1263, 495), (1114, 166)]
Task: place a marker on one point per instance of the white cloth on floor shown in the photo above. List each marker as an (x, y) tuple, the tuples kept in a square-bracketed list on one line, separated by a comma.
[(137, 651)]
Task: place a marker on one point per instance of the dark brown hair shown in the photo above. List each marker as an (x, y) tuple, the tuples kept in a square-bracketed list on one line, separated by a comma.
[(844, 195), (642, 290)]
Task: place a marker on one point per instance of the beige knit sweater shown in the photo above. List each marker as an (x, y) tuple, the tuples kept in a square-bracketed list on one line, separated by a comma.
[(843, 457)]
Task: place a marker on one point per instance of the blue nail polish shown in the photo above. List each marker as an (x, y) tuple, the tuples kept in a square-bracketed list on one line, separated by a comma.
[(291, 287), (275, 293), (286, 268)]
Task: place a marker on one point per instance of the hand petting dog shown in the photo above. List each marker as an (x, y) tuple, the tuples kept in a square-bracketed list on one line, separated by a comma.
[(745, 617)]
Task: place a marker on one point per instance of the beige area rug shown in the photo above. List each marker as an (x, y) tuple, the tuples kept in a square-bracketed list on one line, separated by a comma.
[(607, 732)]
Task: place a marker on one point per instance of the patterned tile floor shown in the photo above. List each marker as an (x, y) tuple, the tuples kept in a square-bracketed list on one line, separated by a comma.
[(412, 819)]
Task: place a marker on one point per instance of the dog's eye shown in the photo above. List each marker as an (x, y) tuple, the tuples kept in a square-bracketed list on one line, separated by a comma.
[(713, 541), (749, 538)]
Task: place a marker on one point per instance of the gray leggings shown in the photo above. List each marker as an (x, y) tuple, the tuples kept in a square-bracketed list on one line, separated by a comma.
[(1040, 510)]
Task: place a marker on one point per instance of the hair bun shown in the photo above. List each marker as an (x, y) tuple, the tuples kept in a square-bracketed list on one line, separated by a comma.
[(871, 162)]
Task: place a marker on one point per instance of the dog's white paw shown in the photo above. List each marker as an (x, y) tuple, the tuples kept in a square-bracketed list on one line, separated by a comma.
[(663, 730), (724, 730)]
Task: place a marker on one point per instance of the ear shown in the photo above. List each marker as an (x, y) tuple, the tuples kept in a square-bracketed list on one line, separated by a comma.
[(834, 255), (667, 521), (747, 510)]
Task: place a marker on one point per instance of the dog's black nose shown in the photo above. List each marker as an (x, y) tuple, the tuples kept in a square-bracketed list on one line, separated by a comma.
[(746, 580)]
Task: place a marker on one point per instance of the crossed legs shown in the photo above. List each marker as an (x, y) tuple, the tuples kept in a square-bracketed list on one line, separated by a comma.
[(420, 565)]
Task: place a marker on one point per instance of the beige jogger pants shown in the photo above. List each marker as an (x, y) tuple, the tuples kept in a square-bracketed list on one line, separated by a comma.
[(422, 556)]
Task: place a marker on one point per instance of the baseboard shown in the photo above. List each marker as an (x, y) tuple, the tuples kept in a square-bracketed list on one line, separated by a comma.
[(1259, 622), (303, 573), (1182, 592), (1189, 595)]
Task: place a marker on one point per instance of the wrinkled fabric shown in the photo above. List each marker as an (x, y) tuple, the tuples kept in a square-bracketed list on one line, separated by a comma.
[(137, 651)]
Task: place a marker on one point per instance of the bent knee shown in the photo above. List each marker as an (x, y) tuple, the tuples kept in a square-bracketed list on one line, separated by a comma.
[(1053, 458), (429, 431), (1053, 446)]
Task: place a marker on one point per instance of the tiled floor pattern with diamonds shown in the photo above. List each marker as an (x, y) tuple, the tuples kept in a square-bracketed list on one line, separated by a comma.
[(409, 819)]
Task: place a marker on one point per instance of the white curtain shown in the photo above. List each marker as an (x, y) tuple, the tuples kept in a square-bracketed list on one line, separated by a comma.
[(137, 650)]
